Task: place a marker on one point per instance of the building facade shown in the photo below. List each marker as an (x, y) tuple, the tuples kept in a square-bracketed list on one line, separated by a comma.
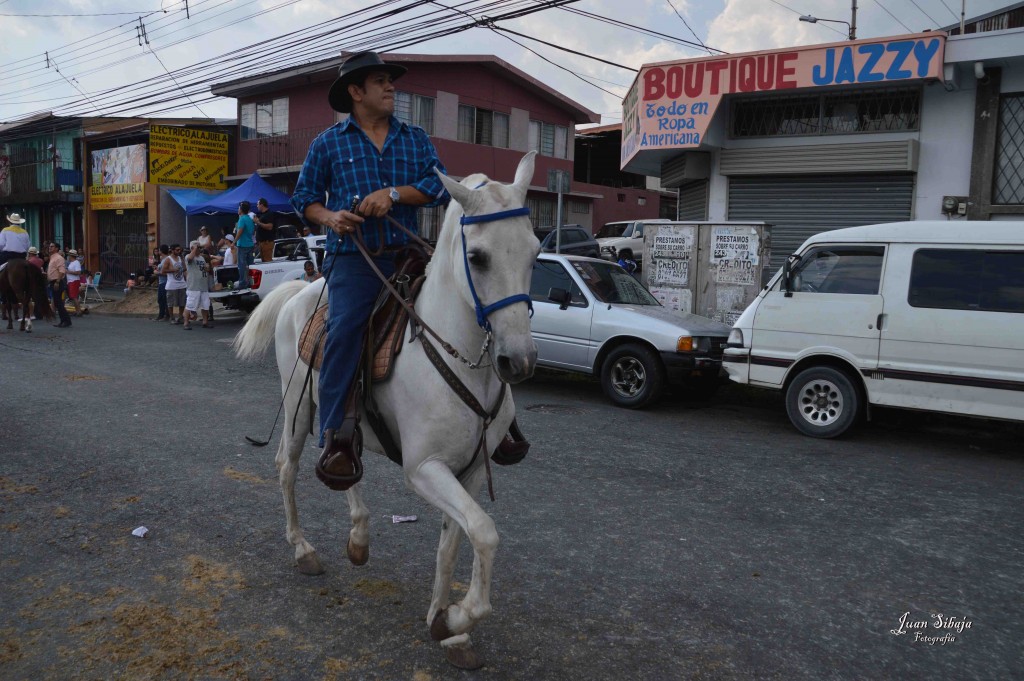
[(41, 177), (481, 113), (918, 127)]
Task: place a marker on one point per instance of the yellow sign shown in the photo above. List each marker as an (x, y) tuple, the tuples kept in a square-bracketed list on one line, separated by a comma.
[(185, 157), (118, 196)]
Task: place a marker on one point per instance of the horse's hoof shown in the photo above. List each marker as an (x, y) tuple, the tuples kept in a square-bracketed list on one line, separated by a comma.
[(309, 564), (439, 630), (463, 657), (358, 554)]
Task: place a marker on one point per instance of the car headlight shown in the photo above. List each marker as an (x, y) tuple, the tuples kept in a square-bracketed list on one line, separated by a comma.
[(735, 339), (685, 344)]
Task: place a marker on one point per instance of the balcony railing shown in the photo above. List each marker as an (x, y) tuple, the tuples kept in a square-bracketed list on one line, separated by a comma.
[(285, 150), (26, 180)]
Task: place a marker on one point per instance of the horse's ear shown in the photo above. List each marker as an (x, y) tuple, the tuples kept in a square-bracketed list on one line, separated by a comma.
[(459, 193), (524, 173)]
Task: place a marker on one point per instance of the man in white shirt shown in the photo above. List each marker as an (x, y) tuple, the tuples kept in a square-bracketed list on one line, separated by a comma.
[(74, 266)]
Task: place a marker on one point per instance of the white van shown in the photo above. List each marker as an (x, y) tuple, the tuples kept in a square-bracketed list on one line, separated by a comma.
[(922, 315)]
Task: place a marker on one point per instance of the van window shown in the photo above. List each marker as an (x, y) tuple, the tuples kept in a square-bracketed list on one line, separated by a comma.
[(967, 279), (840, 269)]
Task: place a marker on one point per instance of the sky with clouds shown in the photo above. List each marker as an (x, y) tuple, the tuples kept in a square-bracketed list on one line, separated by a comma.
[(91, 62)]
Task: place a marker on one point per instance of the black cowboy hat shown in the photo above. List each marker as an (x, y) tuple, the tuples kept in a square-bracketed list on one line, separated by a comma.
[(355, 66)]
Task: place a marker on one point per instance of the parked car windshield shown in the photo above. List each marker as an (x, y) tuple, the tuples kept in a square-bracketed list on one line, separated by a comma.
[(611, 284), (611, 230)]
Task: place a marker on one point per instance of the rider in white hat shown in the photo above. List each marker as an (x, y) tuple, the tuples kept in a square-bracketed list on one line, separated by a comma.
[(14, 240)]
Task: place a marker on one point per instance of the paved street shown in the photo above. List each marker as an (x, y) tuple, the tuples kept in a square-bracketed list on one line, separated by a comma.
[(681, 542)]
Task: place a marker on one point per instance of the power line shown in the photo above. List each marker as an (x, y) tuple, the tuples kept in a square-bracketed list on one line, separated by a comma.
[(570, 71), (88, 14), (955, 15), (934, 23), (687, 25), (148, 103), (907, 28), (564, 49), (638, 29)]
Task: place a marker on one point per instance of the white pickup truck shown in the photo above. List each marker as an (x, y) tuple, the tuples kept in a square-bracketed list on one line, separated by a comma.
[(290, 258)]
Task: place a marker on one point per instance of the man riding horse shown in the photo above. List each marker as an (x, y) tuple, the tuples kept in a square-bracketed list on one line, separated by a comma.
[(14, 240), (357, 172)]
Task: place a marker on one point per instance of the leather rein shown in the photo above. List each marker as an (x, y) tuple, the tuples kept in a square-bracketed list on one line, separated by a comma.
[(418, 326)]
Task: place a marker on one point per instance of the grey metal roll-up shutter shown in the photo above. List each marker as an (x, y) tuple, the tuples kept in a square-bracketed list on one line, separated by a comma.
[(799, 206), (693, 201)]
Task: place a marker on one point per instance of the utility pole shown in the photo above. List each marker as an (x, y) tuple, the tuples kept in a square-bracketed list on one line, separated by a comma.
[(853, 21)]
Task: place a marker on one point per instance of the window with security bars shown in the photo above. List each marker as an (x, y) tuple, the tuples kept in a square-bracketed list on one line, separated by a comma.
[(480, 126), (415, 110), (542, 211), (549, 140), (265, 119), (1008, 187), (833, 113)]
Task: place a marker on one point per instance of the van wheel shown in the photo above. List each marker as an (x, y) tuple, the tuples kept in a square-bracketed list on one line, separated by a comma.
[(632, 376), (822, 402)]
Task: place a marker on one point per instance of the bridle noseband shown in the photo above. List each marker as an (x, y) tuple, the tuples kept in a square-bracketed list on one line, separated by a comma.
[(484, 311)]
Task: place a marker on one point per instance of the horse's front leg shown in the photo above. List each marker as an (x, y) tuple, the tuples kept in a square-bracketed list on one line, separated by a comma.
[(447, 553), (434, 481)]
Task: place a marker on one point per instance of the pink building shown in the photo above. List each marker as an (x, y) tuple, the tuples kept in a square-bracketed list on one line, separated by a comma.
[(482, 114)]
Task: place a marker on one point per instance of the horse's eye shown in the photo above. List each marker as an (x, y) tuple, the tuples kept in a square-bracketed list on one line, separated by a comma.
[(478, 259)]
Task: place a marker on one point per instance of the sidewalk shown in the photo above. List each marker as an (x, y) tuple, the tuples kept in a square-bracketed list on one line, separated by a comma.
[(114, 298)]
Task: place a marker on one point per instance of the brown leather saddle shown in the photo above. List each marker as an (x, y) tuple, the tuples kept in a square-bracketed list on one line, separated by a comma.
[(386, 329)]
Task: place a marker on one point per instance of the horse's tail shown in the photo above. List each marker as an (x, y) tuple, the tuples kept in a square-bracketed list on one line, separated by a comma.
[(255, 337)]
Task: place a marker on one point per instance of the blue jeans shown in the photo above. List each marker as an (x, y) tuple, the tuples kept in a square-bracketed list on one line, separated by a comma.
[(245, 258), (352, 289), (161, 300)]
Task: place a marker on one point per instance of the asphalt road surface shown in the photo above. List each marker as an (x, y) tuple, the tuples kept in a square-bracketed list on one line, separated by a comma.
[(685, 541)]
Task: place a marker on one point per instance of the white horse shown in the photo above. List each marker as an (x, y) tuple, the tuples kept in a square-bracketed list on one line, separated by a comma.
[(437, 433)]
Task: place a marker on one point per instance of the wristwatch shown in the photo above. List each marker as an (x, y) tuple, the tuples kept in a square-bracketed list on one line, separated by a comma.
[(395, 196)]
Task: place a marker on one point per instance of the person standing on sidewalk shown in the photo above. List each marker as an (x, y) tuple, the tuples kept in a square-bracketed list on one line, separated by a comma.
[(198, 286), (174, 268), (265, 231), (56, 273), (74, 266), (244, 242), (161, 278)]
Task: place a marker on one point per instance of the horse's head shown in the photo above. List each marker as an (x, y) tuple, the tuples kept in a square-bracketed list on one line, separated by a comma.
[(490, 248)]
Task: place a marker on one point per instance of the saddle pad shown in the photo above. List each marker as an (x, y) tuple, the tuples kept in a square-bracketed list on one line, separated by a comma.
[(311, 340), (387, 338)]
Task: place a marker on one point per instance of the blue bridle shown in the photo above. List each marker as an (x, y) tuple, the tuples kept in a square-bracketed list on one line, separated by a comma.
[(482, 311)]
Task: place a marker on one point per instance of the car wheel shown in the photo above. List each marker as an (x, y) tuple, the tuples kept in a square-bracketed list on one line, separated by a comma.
[(822, 402), (632, 376)]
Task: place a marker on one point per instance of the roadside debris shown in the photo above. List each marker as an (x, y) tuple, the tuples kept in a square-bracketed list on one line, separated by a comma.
[(140, 531), (395, 519)]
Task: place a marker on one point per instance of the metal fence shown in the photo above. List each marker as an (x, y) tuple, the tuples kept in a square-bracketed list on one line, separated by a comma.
[(285, 150), (124, 247)]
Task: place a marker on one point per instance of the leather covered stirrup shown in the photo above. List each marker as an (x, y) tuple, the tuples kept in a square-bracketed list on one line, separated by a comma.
[(340, 465), (513, 447)]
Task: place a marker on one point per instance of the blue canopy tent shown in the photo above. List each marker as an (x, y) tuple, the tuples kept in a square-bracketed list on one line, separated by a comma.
[(198, 201), (251, 190)]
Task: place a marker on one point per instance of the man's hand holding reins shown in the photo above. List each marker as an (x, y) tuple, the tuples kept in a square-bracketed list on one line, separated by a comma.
[(341, 221), (376, 205)]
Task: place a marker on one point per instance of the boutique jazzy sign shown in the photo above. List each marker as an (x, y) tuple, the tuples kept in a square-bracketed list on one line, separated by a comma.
[(671, 104)]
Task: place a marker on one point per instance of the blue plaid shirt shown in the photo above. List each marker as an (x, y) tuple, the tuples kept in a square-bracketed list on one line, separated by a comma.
[(343, 164)]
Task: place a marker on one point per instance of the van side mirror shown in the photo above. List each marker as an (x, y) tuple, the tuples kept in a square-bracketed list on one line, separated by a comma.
[(560, 296)]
